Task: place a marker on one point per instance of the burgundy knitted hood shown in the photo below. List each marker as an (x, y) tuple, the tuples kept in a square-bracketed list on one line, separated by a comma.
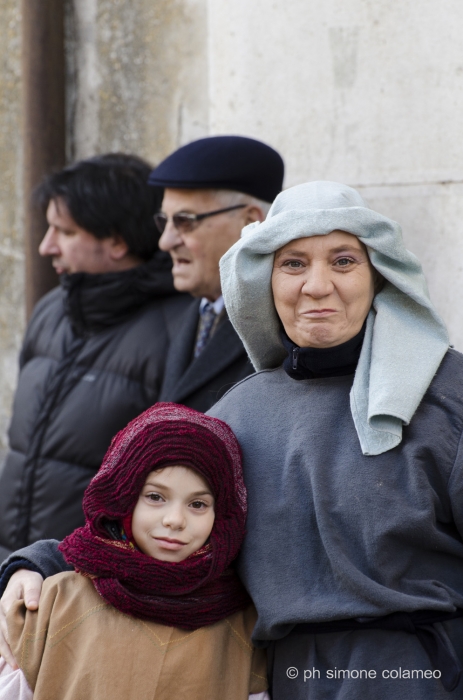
[(200, 590)]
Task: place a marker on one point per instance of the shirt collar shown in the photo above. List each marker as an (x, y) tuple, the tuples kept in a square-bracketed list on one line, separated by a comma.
[(218, 304)]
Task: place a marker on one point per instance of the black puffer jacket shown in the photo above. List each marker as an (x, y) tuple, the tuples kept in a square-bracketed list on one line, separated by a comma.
[(93, 358)]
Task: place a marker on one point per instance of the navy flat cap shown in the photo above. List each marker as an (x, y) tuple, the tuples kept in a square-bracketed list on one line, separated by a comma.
[(223, 162)]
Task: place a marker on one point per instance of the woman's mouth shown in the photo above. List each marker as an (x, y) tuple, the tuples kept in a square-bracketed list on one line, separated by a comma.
[(318, 313)]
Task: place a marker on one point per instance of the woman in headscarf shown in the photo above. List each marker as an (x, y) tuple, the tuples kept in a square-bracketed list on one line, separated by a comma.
[(350, 434)]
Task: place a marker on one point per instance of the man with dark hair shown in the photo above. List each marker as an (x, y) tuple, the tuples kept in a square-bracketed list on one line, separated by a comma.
[(94, 351), (106, 196)]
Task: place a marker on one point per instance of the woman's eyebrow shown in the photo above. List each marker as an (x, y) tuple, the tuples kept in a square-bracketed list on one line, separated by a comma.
[(291, 251), (338, 249), (200, 493), (347, 247)]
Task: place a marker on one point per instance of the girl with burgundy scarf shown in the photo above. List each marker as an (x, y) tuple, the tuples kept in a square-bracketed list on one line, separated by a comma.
[(154, 608)]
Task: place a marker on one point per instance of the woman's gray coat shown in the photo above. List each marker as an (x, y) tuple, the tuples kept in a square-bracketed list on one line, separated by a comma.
[(333, 534)]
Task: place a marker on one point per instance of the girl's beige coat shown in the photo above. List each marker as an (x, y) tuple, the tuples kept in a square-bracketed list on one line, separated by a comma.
[(77, 647)]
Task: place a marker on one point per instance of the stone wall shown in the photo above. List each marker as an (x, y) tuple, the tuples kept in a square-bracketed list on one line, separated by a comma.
[(137, 76), (11, 239)]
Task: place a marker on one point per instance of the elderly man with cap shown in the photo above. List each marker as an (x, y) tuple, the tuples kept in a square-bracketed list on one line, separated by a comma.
[(213, 187)]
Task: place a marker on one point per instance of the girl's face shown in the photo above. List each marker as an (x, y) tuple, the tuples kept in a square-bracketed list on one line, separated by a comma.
[(174, 514)]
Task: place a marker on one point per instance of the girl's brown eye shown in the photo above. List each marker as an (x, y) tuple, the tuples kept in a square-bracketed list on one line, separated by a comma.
[(154, 497), (198, 504)]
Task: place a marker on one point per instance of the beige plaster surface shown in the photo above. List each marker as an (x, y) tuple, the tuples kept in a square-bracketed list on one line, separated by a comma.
[(12, 313), (431, 217), (366, 91)]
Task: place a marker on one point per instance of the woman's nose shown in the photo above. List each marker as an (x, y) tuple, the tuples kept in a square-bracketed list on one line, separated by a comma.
[(49, 244), (318, 282), (174, 517)]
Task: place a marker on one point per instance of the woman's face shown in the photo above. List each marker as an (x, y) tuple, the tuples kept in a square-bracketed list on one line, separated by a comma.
[(323, 288), (174, 514)]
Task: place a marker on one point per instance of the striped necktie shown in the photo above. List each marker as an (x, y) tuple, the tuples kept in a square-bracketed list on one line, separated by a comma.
[(206, 322)]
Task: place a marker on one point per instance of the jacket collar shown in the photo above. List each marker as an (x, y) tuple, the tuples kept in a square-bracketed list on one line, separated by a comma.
[(95, 302), (183, 376), (311, 363)]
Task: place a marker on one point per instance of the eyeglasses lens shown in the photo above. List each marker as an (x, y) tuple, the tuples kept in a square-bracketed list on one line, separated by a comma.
[(182, 222), (161, 222)]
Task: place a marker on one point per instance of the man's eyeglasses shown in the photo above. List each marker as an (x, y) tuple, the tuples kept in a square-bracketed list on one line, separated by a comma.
[(184, 222)]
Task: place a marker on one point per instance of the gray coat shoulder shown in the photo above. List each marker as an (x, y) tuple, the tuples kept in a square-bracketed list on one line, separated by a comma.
[(446, 388), (246, 388), (447, 384)]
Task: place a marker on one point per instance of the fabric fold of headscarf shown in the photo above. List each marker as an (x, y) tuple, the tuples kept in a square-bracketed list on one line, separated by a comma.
[(405, 338), (202, 589)]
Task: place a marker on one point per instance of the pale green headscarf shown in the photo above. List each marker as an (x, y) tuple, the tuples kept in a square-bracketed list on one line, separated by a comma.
[(405, 338)]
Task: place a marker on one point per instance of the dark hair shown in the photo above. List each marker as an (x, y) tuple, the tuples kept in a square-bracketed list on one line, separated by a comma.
[(108, 195)]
